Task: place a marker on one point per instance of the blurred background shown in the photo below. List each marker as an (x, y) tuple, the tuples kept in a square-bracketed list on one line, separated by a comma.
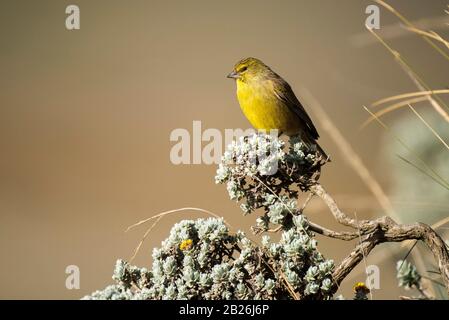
[(86, 115)]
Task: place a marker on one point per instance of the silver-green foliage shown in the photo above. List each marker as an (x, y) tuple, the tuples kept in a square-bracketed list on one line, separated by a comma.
[(203, 259), (222, 265), (407, 275)]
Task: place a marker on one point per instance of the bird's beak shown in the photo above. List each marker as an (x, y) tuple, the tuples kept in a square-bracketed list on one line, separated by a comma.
[(233, 75)]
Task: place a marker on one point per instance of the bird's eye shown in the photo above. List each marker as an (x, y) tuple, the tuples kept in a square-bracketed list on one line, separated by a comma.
[(243, 69)]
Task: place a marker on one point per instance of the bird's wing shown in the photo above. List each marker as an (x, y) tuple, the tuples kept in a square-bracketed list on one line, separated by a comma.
[(285, 93)]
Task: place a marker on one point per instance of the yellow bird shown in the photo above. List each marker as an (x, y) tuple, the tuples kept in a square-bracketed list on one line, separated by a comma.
[(269, 103)]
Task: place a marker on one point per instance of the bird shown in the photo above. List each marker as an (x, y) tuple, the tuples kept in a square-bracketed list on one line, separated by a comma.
[(269, 103)]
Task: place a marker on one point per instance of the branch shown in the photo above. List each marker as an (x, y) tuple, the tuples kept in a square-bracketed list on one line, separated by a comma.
[(347, 236), (339, 215), (382, 230)]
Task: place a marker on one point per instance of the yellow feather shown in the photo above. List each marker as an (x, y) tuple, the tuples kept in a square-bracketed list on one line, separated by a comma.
[(269, 103), (263, 109)]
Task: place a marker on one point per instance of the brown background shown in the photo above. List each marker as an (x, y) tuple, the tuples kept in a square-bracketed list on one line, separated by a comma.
[(85, 118)]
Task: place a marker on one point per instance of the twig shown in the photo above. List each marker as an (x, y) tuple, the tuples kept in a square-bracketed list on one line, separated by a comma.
[(158, 218), (162, 214), (137, 249), (347, 236), (364, 257), (309, 198), (339, 215)]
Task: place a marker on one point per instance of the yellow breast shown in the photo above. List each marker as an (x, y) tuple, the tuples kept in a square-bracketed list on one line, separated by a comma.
[(263, 109)]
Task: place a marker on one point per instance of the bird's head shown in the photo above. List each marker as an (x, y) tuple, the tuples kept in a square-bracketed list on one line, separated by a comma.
[(249, 69)]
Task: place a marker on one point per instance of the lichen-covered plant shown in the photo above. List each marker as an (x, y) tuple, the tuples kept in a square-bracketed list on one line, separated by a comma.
[(409, 278), (258, 172), (407, 275), (204, 259)]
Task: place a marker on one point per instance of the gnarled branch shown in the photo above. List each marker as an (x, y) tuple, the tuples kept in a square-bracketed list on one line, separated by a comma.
[(374, 232)]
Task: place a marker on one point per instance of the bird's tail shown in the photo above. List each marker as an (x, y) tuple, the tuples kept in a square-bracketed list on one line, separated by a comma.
[(312, 142), (323, 153)]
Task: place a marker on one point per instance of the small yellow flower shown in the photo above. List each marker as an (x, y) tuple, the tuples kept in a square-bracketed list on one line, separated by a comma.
[(186, 244), (361, 287)]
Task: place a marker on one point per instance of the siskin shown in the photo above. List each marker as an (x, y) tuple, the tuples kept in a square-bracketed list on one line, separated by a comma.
[(269, 103)]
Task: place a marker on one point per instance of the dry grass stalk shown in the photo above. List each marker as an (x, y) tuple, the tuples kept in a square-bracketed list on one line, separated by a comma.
[(421, 85), (429, 34), (350, 155), (158, 218), (411, 25), (392, 108)]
